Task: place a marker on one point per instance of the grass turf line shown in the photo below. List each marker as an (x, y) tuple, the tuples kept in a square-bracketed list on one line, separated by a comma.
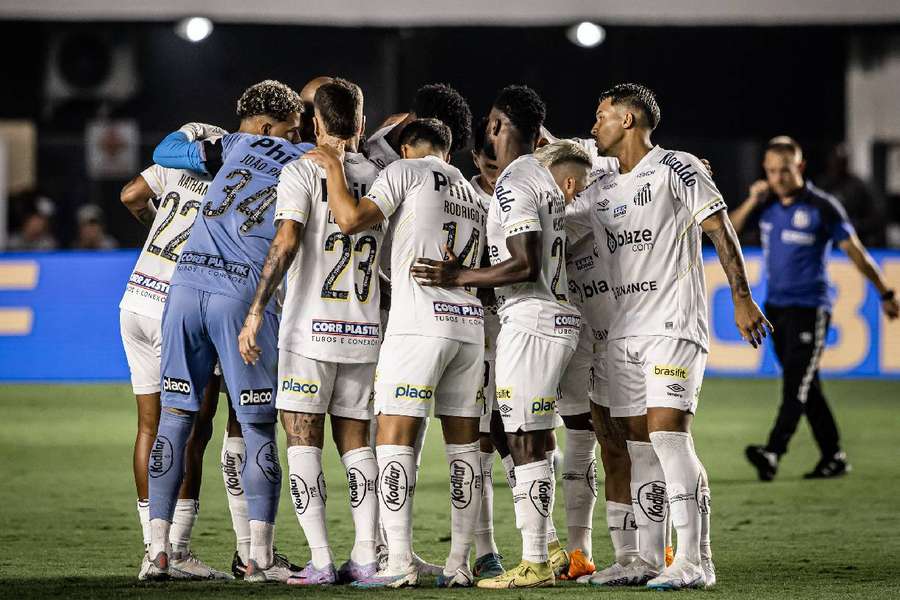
[(69, 528)]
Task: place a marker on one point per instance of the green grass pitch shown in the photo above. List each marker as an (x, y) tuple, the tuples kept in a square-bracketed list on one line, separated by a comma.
[(69, 530)]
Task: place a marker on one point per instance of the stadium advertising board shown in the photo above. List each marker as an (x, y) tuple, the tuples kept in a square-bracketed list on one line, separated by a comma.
[(59, 319)]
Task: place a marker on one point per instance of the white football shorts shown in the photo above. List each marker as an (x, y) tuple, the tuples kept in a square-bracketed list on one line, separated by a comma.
[(317, 387), (142, 339), (575, 384)]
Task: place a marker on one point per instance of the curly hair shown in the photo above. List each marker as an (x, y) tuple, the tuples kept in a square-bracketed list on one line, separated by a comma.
[(432, 131), (636, 96), (524, 108), (442, 102), (269, 97)]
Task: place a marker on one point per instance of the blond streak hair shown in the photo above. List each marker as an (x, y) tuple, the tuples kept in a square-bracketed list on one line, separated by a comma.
[(563, 151)]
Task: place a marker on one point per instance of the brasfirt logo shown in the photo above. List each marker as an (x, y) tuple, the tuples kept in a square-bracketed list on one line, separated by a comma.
[(404, 390), (393, 486), (670, 371), (256, 397), (177, 386), (504, 393), (232, 465), (640, 240), (462, 481), (300, 386), (543, 406), (160, 457), (652, 500)]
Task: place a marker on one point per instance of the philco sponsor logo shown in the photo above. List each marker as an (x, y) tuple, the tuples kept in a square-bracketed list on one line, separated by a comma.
[(160, 457), (256, 397), (346, 328), (232, 466), (462, 480), (358, 485), (267, 461), (177, 386), (405, 390), (472, 311), (393, 486), (643, 196), (640, 240), (540, 496), (670, 371), (543, 406), (652, 500), (300, 386), (566, 323), (682, 170), (300, 494)]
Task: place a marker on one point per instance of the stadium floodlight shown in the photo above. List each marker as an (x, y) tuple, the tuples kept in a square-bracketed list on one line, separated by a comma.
[(194, 29), (586, 34)]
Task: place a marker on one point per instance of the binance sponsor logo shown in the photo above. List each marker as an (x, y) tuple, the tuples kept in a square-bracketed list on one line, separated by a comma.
[(543, 406), (670, 371), (413, 392), (301, 387)]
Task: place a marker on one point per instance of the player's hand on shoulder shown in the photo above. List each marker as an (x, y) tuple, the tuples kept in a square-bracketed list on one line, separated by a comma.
[(442, 273), (751, 322), (324, 156), (247, 346)]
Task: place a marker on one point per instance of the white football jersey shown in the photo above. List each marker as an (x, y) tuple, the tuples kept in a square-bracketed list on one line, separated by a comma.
[(430, 204), (646, 222), (331, 306), (181, 193), (378, 150), (589, 286), (491, 318), (599, 163), (527, 199)]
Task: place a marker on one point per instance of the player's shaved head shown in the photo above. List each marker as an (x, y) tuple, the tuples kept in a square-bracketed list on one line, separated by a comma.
[(338, 107)]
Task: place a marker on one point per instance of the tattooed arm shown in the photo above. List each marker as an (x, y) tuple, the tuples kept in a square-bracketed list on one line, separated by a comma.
[(281, 254), (138, 199), (750, 321)]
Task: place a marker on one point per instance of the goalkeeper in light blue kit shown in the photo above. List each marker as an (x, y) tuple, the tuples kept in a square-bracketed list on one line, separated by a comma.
[(210, 293)]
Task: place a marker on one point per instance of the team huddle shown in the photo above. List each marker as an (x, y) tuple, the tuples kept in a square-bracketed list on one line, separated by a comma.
[(312, 271)]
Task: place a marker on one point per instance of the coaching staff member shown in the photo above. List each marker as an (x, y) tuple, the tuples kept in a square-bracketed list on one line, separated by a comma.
[(798, 224)]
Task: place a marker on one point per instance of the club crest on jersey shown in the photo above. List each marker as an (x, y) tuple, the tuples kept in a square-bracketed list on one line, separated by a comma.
[(800, 219), (643, 196)]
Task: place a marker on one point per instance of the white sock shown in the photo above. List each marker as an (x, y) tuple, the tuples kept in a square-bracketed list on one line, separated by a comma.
[(262, 539), (705, 502), (552, 536), (232, 461), (484, 528), (509, 468), (183, 524), (362, 473), (623, 531), (159, 537), (580, 488), (143, 509), (533, 498), (396, 487), (682, 468), (465, 502), (648, 495), (307, 486)]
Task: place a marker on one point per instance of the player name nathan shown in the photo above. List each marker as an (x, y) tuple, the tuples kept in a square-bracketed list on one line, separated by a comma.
[(467, 311), (369, 331)]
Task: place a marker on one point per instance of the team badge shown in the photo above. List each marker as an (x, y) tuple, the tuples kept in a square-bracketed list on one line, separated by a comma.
[(643, 196)]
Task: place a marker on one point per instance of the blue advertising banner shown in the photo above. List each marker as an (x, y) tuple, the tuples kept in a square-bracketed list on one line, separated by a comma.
[(59, 319)]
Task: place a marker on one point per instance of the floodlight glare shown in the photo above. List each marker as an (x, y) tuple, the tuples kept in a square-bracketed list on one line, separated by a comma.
[(194, 29), (586, 34)]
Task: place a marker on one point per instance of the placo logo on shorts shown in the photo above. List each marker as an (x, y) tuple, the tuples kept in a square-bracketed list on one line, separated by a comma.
[(412, 392), (543, 406), (673, 371), (565, 323), (346, 328), (299, 386), (256, 397), (177, 386), (652, 500)]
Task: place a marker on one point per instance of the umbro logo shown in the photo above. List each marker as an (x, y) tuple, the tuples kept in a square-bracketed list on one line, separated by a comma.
[(505, 409), (676, 388), (643, 196)]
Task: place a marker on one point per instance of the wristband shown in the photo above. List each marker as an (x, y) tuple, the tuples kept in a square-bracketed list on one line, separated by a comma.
[(888, 295)]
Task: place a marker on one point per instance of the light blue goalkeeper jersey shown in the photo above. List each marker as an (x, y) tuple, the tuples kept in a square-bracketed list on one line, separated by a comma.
[(230, 238)]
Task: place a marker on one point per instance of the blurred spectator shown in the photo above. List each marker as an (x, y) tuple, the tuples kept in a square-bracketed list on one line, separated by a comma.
[(863, 204), (35, 232), (92, 230)]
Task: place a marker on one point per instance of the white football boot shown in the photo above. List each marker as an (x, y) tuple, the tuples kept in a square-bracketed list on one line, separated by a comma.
[(636, 572), (188, 563), (680, 575)]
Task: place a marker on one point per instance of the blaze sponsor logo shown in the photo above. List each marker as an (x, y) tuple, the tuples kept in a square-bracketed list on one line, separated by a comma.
[(394, 485), (643, 196), (670, 371), (160, 457), (640, 240), (543, 406), (421, 393), (300, 494), (472, 311), (681, 169), (462, 482), (232, 465), (652, 500), (594, 287), (177, 386), (267, 461), (634, 288), (540, 496), (256, 397), (566, 323), (302, 387), (347, 328)]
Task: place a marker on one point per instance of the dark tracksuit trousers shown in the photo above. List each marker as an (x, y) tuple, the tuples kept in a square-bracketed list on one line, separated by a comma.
[(799, 340)]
